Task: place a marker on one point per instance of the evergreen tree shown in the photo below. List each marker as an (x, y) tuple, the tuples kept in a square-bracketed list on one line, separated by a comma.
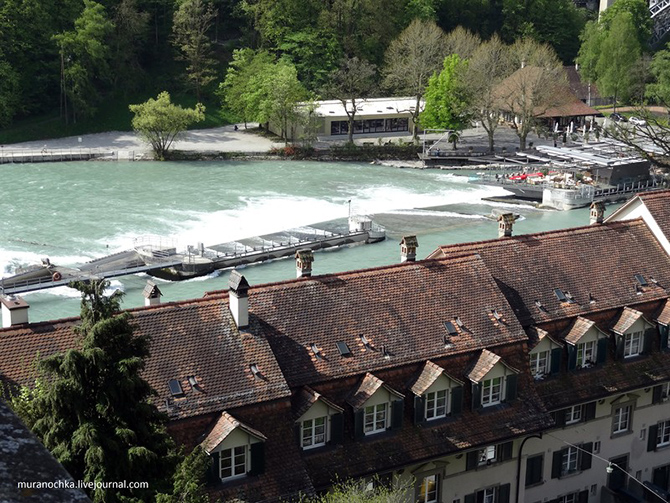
[(94, 411), (189, 480)]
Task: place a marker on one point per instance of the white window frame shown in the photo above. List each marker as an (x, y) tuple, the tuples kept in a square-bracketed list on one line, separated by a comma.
[(539, 364), (586, 354), (488, 455), (663, 435), (621, 421), (569, 460), (490, 495), (573, 414), (239, 461), (312, 434), (632, 344), (437, 404), (665, 391), (492, 392), (569, 498), (429, 493), (375, 418)]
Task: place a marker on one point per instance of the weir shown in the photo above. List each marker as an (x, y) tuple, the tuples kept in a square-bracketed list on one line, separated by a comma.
[(161, 259)]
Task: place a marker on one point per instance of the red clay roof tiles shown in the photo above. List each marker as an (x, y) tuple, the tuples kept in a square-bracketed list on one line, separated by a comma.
[(223, 427), (626, 319), (485, 362)]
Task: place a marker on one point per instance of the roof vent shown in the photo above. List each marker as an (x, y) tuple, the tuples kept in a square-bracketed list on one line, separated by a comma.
[(540, 306), (316, 351), (447, 342), (638, 289), (654, 280), (568, 295), (451, 329), (642, 281), (366, 342), (386, 353), (343, 348), (175, 388), (255, 371), (496, 314)]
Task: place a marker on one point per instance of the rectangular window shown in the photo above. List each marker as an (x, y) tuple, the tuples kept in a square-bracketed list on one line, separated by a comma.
[(436, 404), (375, 418), (569, 498), (233, 462), (487, 455), (313, 432), (569, 461), (538, 364), (534, 465), (621, 421), (586, 354), (491, 391), (573, 414), (663, 437), (632, 345), (490, 495), (665, 391), (428, 492)]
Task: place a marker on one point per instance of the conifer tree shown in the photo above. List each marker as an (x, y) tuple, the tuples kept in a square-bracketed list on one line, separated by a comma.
[(94, 411)]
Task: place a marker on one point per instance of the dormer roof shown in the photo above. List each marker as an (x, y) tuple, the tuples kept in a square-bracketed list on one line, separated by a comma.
[(307, 397), (537, 335), (579, 328), (428, 375), (367, 387), (485, 362), (663, 317), (627, 319), (224, 425)]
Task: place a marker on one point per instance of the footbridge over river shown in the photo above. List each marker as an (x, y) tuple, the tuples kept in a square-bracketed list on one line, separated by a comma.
[(161, 259)]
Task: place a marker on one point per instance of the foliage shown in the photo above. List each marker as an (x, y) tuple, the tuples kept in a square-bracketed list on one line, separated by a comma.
[(447, 97), (93, 410), (314, 53), (411, 59), (189, 479), (9, 92), (659, 90), (360, 492), (462, 42), (192, 20), (640, 16), (160, 122)]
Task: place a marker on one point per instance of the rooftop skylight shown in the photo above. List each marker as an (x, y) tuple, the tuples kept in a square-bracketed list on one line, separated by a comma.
[(175, 387), (343, 348), (451, 329)]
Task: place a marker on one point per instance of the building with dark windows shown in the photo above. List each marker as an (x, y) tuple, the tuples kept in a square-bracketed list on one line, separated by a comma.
[(527, 368)]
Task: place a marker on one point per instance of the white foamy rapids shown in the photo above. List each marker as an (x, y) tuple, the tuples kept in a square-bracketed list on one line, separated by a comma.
[(71, 293), (434, 213), (12, 260)]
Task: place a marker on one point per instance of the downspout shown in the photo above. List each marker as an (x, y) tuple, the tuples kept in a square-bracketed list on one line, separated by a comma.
[(518, 465)]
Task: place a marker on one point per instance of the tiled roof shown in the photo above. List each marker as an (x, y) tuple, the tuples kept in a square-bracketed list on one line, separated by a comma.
[(578, 329), (367, 387), (626, 320), (597, 264), (658, 204), (483, 365), (224, 426), (429, 374), (664, 316), (193, 338), (571, 108), (399, 309), (537, 335), (307, 397)]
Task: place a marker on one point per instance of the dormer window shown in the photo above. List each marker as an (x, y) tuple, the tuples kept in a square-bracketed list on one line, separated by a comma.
[(493, 381), (437, 395), (634, 334), (314, 432), (586, 354), (539, 364), (233, 463), (377, 407), (587, 344), (319, 421), (632, 344), (376, 418), (491, 391)]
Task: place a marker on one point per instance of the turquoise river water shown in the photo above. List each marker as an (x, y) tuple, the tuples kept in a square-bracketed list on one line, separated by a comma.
[(74, 212)]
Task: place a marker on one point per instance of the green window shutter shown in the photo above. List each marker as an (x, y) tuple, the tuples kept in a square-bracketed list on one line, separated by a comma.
[(656, 396), (559, 417), (456, 400), (506, 450), (652, 437), (359, 417), (397, 413), (214, 473), (661, 476), (556, 464), (337, 428), (603, 348), (620, 340), (648, 343), (419, 409), (589, 411), (583, 497), (534, 469), (257, 454), (556, 357), (471, 460), (503, 493), (469, 498), (663, 331), (297, 432), (476, 396), (572, 357), (585, 462), (510, 383)]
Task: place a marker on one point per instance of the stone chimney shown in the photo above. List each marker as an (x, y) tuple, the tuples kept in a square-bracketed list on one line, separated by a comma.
[(14, 310), (505, 224), (597, 215), (152, 294), (408, 247), (303, 263), (239, 299)]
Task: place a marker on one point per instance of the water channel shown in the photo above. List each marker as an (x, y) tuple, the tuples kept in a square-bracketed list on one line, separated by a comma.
[(74, 212)]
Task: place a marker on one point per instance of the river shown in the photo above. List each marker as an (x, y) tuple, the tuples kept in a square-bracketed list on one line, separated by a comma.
[(74, 212)]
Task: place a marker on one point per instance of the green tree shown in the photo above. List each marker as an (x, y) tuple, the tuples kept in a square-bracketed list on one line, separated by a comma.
[(192, 21), (160, 122), (10, 94), (641, 19), (188, 482), (131, 30), (620, 51), (411, 59), (354, 491), (447, 98), (314, 53), (94, 413), (351, 84), (659, 89), (462, 42)]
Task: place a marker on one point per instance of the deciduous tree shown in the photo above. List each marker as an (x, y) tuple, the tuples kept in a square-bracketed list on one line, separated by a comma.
[(411, 59), (160, 122), (462, 42)]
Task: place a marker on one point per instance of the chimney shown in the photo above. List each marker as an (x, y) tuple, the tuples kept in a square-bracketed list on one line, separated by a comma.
[(303, 263), (152, 294), (408, 247), (14, 310), (505, 224), (597, 215), (239, 299)]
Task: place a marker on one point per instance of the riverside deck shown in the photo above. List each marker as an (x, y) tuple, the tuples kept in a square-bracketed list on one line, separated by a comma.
[(163, 261)]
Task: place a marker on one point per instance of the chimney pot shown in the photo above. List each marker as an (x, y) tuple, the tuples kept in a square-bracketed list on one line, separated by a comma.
[(408, 247), (238, 298), (152, 294), (14, 310), (505, 224), (597, 214), (303, 263)]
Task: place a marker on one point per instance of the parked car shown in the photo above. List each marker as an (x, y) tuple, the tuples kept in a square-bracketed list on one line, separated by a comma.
[(617, 117), (636, 121)]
